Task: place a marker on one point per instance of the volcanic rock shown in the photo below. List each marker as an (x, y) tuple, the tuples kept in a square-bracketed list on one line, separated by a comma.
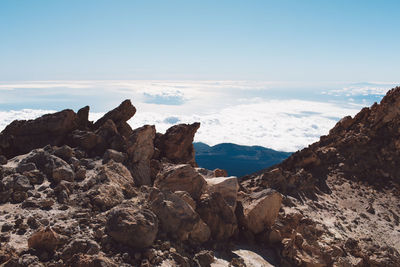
[(177, 143), (260, 209), (140, 149), (177, 217), (132, 226), (121, 114), (218, 215), (181, 177), (227, 186)]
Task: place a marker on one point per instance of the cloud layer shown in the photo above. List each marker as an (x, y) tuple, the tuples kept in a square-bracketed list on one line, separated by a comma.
[(282, 116)]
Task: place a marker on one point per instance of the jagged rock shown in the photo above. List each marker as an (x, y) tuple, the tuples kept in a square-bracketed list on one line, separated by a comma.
[(187, 198), (133, 226), (218, 215), (22, 136), (85, 139), (112, 184), (260, 209), (204, 258), (83, 117), (140, 149), (114, 155), (177, 217), (80, 246), (44, 239), (220, 173), (177, 143), (63, 173), (122, 113), (65, 152), (3, 160), (181, 177), (227, 186), (81, 260)]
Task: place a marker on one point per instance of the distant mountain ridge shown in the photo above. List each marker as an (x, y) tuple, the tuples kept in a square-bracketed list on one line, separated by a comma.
[(236, 159)]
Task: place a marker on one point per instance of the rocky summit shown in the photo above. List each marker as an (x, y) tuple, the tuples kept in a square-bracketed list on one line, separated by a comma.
[(80, 193)]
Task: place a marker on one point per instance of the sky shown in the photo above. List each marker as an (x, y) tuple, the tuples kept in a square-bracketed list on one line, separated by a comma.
[(272, 73), (265, 40)]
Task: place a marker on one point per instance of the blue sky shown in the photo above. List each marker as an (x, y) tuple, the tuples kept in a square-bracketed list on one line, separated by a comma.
[(341, 41)]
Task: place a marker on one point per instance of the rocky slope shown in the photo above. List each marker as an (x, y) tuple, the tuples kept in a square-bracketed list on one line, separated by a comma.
[(341, 194), (77, 193)]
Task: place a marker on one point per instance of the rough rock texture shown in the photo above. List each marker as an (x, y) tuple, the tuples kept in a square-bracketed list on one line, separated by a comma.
[(131, 226), (177, 143), (260, 209), (227, 186), (22, 136), (119, 115), (218, 215), (181, 177), (177, 217), (140, 151), (339, 193)]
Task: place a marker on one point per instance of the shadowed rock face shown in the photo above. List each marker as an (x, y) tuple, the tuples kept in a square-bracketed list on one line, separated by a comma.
[(22, 136), (177, 143)]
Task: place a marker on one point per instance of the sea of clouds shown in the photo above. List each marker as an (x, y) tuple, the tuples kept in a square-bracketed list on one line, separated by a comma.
[(281, 116)]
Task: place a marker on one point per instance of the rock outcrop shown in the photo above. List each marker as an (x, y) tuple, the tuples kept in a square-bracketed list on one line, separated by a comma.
[(77, 193)]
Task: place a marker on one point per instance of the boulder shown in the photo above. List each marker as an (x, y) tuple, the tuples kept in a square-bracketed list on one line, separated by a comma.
[(112, 184), (218, 215), (260, 209), (227, 186), (177, 143), (132, 226), (140, 149), (177, 218), (181, 177), (44, 239), (120, 114), (21, 136), (85, 139), (83, 118), (114, 155), (220, 173)]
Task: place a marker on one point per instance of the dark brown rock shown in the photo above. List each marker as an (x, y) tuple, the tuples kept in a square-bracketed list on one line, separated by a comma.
[(121, 114), (132, 226), (218, 215), (177, 143), (22, 136)]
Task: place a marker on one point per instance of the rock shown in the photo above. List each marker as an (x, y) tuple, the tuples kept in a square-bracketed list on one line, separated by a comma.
[(30, 166), (80, 246), (218, 215), (83, 118), (3, 160), (177, 143), (114, 155), (227, 186), (65, 152), (80, 260), (176, 216), (112, 184), (22, 136), (44, 239), (220, 173), (260, 209), (204, 258), (181, 177), (63, 173), (140, 149), (122, 113), (132, 226), (86, 139), (187, 198), (29, 260)]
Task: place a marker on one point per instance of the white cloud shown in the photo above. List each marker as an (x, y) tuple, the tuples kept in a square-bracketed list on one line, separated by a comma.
[(242, 112)]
